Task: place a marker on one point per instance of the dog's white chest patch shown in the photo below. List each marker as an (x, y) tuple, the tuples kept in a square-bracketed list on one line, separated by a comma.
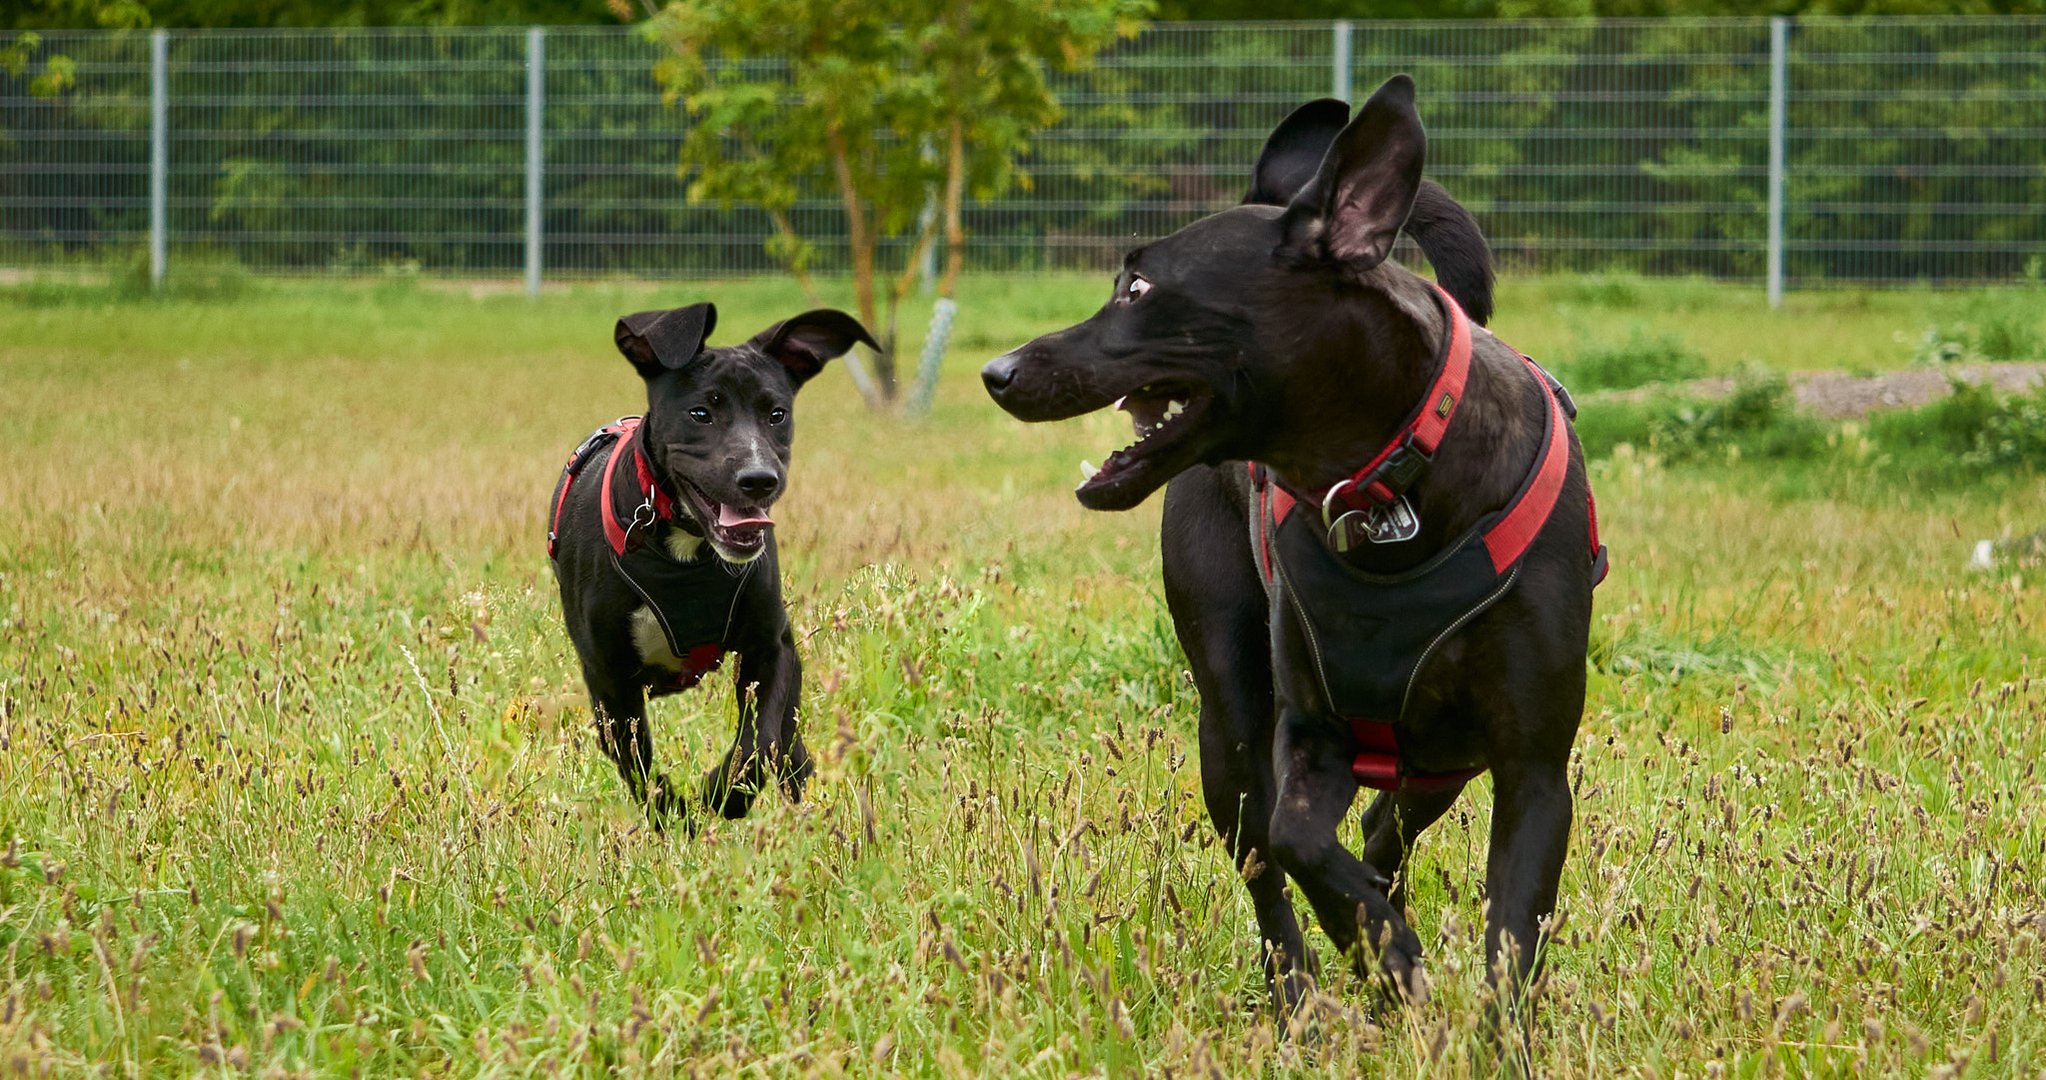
[(651, 643), (682, 546)]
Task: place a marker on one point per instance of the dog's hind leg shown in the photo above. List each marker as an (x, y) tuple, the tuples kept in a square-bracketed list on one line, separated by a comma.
[(1316, 790), (1218, 610), (1392, 823)]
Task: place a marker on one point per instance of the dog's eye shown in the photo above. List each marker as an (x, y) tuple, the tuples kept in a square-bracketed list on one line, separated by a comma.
[(700, 414), (1135, 290), (776, 416)]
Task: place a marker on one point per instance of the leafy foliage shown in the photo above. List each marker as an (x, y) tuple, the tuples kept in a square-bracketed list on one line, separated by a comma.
[(1642, 359), (878, 104)]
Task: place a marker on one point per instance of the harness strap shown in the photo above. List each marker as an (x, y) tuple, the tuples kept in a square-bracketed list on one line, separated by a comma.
[(1377, 764), (662, 505), (578, 458), (1508, 538)]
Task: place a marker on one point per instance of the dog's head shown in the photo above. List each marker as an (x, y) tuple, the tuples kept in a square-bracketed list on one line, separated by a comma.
[(719, 420), (1256, 313)]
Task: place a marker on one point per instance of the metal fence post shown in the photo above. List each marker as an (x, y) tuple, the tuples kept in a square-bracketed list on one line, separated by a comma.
[(159, 155), (1779, 103), (1339, 64), (536, 157)]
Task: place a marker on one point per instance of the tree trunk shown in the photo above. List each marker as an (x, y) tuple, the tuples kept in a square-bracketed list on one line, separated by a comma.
[(955, 190), (861, 241)]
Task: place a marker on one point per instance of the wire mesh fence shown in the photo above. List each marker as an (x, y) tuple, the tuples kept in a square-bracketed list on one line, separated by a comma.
[(1910, 149)]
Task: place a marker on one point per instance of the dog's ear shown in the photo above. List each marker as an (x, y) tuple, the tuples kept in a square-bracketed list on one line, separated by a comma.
[(804, 343), (657, 341), (1354, 207), (1294, 151)]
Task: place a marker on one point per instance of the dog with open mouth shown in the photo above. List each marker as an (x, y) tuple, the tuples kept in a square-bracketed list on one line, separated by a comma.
[(663, 545), (1378, 541)]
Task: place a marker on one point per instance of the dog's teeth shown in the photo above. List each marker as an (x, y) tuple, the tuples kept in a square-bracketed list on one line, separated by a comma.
[(1088, 469), (1119, 401), (1174, 408)]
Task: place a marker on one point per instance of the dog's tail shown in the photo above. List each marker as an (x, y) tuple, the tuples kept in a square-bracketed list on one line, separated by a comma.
[(1449, 236)]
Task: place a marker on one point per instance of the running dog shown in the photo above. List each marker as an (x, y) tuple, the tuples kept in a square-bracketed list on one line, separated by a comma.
[(1379, 544), (664, 550)]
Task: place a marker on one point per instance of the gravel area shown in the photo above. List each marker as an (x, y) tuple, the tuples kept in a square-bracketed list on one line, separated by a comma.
[(1837, 395)]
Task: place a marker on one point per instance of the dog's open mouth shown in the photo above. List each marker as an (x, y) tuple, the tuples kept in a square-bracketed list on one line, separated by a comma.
[(738, 533), (1163, 416)]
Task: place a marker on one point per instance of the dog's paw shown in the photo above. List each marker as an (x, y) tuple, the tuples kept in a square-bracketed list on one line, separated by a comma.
[(731, 801), (666, 809), (1398, 952), (795, 775)]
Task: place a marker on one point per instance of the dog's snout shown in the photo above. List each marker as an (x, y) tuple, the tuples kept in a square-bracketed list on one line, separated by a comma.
[(758, 484), (999, 373)]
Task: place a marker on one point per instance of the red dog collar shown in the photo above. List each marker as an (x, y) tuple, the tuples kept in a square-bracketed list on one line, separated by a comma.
[(1406, 456)]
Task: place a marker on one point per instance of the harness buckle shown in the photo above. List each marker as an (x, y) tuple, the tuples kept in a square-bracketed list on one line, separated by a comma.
[(1403, 466), (1398, 472)]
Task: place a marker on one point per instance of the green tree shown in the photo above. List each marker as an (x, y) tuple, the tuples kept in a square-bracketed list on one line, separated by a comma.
[(876, 107)]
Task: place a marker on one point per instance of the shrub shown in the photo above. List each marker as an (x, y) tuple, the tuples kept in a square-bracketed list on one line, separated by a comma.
[(1642, 360), (2008, 334), (1758, 419), (1973, 429)]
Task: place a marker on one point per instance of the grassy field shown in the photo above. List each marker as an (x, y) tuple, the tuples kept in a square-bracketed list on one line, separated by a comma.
[(294, 776)]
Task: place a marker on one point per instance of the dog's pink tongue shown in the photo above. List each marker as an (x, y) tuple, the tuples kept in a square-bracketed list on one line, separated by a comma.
[(731, 517)]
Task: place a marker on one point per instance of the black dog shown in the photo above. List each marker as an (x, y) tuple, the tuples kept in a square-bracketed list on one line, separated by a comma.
[(1398, 593), (664, 550)]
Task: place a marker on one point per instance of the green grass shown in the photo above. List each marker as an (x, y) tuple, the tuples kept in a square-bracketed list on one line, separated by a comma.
[(294, 776)]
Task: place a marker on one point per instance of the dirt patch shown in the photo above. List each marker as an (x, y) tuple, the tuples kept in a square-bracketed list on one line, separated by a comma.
[(1837, 396)]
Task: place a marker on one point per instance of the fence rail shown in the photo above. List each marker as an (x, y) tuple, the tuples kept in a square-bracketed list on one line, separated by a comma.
[(1791, 153)]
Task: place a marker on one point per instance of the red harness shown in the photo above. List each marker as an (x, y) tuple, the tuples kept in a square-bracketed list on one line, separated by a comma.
[(1346, 508), (698, 658), (657, 501)]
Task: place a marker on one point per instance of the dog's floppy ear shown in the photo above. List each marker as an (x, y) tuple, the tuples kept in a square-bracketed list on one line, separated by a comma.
[(1353, 208), (802, 344), (657, 341), (1294, 151)]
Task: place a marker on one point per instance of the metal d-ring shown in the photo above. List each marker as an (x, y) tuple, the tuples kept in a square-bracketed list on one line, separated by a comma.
[(1326, 521), (1339, 531), (642, 515)]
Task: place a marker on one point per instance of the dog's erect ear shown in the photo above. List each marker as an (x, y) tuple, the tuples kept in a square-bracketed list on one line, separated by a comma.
[(804, 343), (657, 341), (1294, 151), (1353, 208)]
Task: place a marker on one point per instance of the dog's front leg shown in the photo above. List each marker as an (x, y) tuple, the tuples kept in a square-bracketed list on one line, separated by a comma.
[(1316, 789), (769, 686), (622, 732), (1531, 815)]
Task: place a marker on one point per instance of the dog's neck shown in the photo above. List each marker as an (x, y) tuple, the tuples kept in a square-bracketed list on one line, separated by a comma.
[(1353, 405)]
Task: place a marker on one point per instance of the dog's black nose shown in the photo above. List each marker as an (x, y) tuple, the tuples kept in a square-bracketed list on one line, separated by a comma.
[(999, 373), (758, 484)]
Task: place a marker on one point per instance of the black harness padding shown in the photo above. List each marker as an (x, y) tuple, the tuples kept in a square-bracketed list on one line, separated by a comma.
[(1369, 635), (695, 602)]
